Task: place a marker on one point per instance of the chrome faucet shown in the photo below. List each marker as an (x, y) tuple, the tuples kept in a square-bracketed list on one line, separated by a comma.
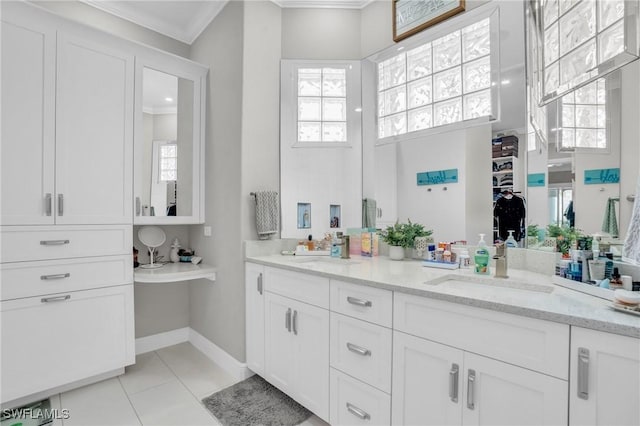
[(501, 261)]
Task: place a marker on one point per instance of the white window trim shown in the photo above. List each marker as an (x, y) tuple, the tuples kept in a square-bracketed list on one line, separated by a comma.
[(289, 102), (453, 24)]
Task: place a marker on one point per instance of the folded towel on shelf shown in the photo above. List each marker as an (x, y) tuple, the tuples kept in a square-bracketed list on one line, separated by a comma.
[(369, 213), (267, 213), (610, 222)]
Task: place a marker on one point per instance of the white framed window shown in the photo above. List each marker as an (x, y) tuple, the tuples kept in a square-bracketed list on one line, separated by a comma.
[(442, 81), (320, 103), (168, 162), (583, 118)]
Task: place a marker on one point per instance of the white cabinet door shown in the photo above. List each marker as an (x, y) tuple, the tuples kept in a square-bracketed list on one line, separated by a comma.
[(310, 331), (49, 341), (254, 291), (28, 126), (427, 379), (278, 349), (496, 393), (94, 133), (386, 182), (605, 379)]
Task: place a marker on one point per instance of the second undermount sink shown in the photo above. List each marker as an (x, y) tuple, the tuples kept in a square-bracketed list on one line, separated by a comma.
[(476, 282), (324, 260)]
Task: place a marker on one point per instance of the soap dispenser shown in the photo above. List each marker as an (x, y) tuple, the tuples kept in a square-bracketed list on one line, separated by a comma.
[(173, 255), (481, 257), (511, 242)]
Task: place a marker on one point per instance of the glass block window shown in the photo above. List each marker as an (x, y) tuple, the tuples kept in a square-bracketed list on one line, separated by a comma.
[(583, 117), (583, 40), (168, 162), (444, 81), (322, 105)]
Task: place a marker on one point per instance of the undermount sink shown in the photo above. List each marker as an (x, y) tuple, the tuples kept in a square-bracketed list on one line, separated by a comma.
[(324, 260), (473, 282)]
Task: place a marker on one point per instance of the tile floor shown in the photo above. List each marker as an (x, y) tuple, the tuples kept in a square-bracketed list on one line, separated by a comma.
[(164, 387)]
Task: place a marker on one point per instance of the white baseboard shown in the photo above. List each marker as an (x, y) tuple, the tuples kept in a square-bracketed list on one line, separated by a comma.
[(161, 340), (235, 368)]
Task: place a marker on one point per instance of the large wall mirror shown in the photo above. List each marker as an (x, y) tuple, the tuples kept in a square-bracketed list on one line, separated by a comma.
[(168, 172)]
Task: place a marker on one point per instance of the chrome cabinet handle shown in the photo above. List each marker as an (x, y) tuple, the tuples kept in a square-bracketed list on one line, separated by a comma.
[(295, 322), (358, 349), (359, 302), (53, 242), (138, 206), (260, 283), (48, 204), (583, 373), (471, 381), (287, 320), (359, 413), (55, 298), (60, 204), (55, 276), (453, 382)]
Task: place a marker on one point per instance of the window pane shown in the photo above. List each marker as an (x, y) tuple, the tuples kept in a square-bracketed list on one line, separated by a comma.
[(577, 26), (611, 41), (586, 94), (309, 132), (568, 138), (566, 5), (168, 163), (334, 132), (309, 82), (476, 40), (419, 62), (395, 125), (578, 62), (309, 109), (610, 12), (446, 51), (447, 84), (334, 82), (586, 116), (477, 75), (601, 120), (568, 116), (421, 118), (392, 72), (168, 150), (447, 112), (395, 100), (552, 77), (334, 109), (550, 48), (586, 138), (550, 12), (420, 92), (477, 105)]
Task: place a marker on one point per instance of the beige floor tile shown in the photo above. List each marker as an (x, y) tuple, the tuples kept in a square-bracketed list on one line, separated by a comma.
[(100, 404), (148, 371)]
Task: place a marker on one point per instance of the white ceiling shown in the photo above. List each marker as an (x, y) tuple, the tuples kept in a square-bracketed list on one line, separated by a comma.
[(184, 20), (159, 92)]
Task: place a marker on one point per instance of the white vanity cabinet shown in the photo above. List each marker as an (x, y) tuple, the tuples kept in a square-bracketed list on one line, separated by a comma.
[(67, 135), (605, 379)]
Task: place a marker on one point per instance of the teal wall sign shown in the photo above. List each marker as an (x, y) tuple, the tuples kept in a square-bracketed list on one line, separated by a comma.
[(535, 179), (601, 176), (438, 177)]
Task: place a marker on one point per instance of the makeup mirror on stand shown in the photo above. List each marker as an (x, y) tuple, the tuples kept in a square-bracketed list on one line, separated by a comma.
[(152, 237)]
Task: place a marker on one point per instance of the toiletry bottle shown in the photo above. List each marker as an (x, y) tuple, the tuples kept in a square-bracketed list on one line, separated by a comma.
[(616, 281), (173, 255), (336, 247), (595, 246), (465, 259), (481, 257), (511, 242), (310, 243)]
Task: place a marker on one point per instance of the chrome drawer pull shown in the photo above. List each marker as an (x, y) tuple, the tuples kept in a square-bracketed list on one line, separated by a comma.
[(361, 414), (53, 242), (55, 298), (55, 276), (471, 380), (583, 373), (359, 302), (358, 349), (453, 382)]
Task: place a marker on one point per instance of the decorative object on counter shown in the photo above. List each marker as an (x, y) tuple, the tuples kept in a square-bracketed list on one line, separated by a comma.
[(152, 237), (440, 265), (267, 213), (369, 243), (304, 215), (135, 258), (567, 237), (185, 255), (421, 244), (402, 235), (173, 255)]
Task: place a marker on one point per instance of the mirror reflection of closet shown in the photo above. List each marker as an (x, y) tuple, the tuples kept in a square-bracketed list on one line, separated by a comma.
[(168, 148)]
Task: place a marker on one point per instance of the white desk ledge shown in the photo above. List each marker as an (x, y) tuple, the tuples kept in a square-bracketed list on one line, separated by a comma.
[(172, 272)]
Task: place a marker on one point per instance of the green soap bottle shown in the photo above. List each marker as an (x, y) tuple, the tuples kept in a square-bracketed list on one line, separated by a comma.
[(482, 257)]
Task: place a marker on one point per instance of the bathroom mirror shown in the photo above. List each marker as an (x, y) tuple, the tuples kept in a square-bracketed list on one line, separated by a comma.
[(169, 145)]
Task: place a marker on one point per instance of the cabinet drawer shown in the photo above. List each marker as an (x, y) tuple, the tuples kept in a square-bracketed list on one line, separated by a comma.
[(27, 279), (367, 303), (303, 287), (355, 403), (362, 350), (531, 343), (79, 335), (21, 243)]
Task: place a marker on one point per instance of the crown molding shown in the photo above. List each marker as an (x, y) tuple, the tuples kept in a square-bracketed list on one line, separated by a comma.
[(323, 4)]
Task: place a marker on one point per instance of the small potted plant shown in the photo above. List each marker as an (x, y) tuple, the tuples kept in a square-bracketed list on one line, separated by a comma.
[(417, 237), (402, 236)]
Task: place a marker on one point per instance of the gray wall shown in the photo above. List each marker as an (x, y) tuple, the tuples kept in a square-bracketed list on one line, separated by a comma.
[(217, 309)]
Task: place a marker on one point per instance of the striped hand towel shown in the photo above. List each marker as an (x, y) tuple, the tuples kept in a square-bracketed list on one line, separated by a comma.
[(267, 213)]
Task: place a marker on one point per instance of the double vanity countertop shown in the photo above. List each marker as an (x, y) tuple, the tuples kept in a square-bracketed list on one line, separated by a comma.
[(524, 293)]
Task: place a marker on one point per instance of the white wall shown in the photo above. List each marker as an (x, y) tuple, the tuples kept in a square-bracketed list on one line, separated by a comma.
[(538, 196), (630, 149)]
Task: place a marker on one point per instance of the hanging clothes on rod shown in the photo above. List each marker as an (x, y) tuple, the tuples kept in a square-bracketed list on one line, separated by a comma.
[(510, 212)]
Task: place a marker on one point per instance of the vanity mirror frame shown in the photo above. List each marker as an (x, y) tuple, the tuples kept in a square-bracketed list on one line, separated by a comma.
[(197, 73)]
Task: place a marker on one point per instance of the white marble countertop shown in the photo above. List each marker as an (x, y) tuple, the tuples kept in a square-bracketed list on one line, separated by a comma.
[(173, 272), (523, 293)]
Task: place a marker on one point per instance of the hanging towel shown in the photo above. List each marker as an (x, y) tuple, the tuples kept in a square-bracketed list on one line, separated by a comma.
[(631, 248), (610, 222), (267, 213), (369, 213)]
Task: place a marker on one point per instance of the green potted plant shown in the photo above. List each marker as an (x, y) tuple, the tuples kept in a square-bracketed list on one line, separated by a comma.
[(416, 237), (401, 236), (567, 237)]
